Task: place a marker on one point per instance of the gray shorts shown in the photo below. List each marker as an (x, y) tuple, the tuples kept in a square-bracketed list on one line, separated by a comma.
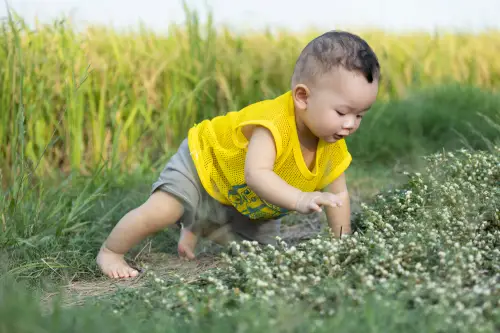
[(204, 215)]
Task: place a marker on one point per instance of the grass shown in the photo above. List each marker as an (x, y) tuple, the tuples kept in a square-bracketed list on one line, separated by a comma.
[(20, 305)]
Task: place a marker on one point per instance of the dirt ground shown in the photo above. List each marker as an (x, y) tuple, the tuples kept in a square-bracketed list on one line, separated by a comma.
[(166, 265)]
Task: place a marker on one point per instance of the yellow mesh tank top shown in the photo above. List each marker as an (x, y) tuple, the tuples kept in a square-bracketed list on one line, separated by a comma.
[(218, 148)]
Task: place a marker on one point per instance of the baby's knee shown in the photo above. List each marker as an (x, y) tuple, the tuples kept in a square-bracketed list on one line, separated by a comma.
[(161, 208)]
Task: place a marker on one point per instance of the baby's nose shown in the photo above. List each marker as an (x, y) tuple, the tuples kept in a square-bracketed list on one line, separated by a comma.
[(349, 120), (349, 124)]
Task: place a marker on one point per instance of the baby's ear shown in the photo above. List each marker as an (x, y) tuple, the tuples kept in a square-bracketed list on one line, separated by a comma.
[(300, 95)]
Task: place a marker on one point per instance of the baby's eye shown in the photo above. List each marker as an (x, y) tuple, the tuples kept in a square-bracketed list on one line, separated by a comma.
[(340, 114)]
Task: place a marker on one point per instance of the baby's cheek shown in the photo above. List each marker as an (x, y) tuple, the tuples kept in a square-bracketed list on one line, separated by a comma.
[(333, 122), (323, 121)]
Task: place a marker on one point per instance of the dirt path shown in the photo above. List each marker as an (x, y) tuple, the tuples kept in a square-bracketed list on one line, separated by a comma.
[(165, 265)]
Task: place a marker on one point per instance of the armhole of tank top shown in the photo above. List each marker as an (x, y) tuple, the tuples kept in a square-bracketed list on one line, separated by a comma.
[(241, 141)]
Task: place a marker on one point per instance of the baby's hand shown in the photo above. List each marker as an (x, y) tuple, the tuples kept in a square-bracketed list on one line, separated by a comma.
[(309, 202)]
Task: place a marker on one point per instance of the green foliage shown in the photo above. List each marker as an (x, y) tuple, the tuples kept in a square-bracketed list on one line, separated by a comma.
[(428, 120), (424, 257)]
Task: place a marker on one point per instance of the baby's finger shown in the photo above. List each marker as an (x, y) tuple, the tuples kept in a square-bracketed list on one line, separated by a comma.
[(324, 201), (330, 201), (315, 207)]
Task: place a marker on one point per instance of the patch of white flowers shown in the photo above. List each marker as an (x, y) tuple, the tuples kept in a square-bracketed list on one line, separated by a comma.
[(434, 243)]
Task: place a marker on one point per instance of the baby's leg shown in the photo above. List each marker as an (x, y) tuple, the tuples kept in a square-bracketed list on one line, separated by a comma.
[(174, 195), (158, 212), (211, 221), (264, 232)]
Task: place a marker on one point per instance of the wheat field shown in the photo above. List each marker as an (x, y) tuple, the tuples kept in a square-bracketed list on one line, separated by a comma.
[(127, 97)]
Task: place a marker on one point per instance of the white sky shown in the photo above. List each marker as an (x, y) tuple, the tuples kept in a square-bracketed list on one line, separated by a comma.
[(291, 14)]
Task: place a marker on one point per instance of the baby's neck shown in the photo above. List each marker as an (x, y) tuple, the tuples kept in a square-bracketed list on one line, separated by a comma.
[(306, 138)]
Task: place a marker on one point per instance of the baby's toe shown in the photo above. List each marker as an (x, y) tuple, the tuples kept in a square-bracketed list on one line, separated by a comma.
[(132, 272), (124, 272)]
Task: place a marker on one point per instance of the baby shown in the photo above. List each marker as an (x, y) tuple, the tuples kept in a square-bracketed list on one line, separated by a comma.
[(236, 175)]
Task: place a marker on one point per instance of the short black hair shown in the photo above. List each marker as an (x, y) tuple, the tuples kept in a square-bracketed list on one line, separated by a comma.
[(332, 49)]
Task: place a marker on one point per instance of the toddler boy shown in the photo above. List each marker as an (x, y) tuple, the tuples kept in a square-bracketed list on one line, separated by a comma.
[(235, 176)]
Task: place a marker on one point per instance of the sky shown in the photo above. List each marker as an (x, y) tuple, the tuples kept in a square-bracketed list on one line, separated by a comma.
[(399, 15)]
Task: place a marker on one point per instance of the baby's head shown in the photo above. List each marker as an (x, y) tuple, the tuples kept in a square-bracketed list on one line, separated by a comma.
[(335, 82)]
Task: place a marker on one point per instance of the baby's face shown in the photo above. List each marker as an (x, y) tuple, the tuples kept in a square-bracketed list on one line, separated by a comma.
[(337, 103)]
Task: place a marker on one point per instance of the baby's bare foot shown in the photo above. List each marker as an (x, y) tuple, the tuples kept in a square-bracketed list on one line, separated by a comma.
[(187, 244), (114, 265)]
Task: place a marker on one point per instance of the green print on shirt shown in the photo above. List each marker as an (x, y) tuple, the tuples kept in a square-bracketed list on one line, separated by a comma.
[(249, 204)]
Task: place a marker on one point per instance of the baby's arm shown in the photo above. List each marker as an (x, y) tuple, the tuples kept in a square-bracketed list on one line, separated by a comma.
[(261, 178), (259, 173), (339, 217)]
